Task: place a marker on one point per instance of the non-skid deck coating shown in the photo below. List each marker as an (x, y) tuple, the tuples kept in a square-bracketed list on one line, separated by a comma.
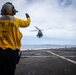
[(47, 62)]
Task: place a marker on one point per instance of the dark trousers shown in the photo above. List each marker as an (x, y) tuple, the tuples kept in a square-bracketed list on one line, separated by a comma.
[(8, 59)]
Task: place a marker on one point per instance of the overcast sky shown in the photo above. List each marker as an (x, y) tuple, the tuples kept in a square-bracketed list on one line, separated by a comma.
[(57, 18)]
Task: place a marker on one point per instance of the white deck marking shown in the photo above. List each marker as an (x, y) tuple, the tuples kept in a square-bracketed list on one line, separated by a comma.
[(72, 61), (37, 56)]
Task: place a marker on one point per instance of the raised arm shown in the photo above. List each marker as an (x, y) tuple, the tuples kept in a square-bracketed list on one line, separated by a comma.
[(24, 23)]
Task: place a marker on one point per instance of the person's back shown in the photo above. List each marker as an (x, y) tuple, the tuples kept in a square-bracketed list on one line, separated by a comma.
[(10, 38)]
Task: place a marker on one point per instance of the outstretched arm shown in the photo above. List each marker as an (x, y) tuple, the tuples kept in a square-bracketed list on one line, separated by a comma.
[(25, 23)]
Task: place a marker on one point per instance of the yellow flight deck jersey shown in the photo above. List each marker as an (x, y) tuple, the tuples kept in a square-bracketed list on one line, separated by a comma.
[(10, 36)]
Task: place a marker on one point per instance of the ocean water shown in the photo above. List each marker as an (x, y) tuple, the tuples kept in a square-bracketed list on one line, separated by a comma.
[(34, 47)]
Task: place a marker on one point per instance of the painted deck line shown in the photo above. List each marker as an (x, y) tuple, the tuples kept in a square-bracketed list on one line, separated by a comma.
[(37, 56), (72, 61)]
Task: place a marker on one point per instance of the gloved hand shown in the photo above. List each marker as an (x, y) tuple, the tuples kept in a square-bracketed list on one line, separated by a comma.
[(27, 16)]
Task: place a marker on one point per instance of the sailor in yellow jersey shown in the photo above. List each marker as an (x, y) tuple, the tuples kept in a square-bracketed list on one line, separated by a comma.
[(10, 38)]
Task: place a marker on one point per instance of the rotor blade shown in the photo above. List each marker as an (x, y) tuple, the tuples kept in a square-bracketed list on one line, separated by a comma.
[(33, 30), (37, 28)]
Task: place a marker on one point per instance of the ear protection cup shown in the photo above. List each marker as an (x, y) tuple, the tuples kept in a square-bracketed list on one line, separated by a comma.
[(14, 10)]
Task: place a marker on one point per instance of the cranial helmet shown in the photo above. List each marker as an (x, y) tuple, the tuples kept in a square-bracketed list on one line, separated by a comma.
[(8, 9)]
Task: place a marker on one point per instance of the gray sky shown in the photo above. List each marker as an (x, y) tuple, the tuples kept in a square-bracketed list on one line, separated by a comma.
[(56, 17)]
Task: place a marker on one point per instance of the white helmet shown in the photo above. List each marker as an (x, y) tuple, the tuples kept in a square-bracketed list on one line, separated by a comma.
[(8, 9)]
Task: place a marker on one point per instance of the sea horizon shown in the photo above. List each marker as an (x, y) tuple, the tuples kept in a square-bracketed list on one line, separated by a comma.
[(45, 46)]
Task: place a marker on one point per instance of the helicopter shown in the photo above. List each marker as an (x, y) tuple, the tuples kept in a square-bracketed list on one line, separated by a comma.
[(39, 34)]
